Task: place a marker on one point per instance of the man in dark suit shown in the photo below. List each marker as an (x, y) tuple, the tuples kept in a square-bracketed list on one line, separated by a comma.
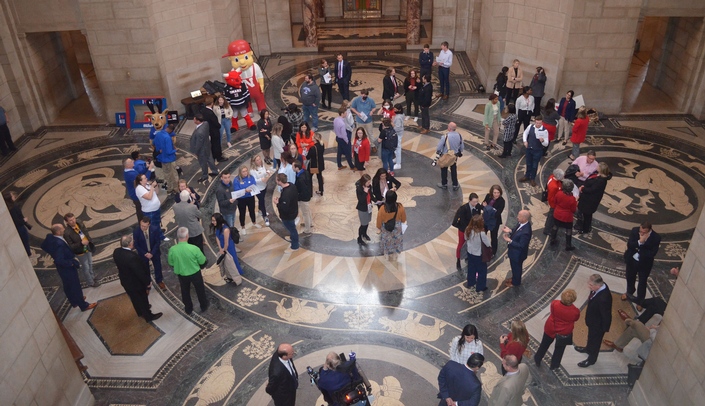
[(425, 100), (518, 246), (458, 384), (461, 221), (134, 277), (389, 85), (67, 265), (283, 378), (147, 239), (200, 146), (642, 247), (213, 129), (598, 317), (343, 75)]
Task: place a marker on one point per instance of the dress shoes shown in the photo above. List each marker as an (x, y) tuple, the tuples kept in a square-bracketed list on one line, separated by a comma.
[(162, 285), (222, 159), (456, 187), (580, 349), (623, 315), (524, 179), (623, 297), (612, 345), (442, 186), (340, 168), (155, 316), (425, 131), (214, 174), (445, 97), (90, 306), (508, 283), (202, 179), (585, 364), (533, 183)]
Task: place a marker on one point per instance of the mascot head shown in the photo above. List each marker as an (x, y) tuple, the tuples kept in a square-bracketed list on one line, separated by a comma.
[(158, 118), (233, 78), (240, 54)]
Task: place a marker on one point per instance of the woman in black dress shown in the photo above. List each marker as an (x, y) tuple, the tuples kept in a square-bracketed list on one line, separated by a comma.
[(494, 198), (264, 128), (317, 164)]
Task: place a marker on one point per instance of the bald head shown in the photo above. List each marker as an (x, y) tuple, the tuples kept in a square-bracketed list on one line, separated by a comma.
[(285, 351), (128, 163), (57, 229), (524, 216), (452, 126)]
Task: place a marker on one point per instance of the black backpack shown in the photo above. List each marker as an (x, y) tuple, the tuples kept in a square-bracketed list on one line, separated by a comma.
[(390, 224), (234, 235)]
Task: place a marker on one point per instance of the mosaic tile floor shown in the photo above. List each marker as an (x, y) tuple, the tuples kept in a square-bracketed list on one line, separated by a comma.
[(399, 317)]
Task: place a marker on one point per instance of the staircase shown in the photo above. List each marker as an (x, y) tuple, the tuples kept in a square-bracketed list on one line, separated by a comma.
[(378, 34)]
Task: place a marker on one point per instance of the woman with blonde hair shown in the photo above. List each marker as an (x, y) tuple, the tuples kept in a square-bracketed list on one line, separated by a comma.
[(245, 181), (475, 238), (559, 327), (224, 113), (277, 144), (261, 174), (515, 343)]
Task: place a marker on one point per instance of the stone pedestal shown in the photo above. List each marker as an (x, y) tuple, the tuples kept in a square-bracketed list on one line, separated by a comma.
[(310, 10), (413, 21)]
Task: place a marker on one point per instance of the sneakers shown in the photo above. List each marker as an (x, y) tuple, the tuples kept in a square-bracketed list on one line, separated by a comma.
[(456, 187), (442, 186), (397, 167), (266, 221), (290, 250), (166, 239), (243, 231), (258, 226)]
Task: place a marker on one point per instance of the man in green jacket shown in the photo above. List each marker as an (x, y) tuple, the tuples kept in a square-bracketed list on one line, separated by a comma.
[(187, 260)]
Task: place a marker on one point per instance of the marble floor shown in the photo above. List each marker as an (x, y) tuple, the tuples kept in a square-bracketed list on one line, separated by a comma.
[(332, 295)]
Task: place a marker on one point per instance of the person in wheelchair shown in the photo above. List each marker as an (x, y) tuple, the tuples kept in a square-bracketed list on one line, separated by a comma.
[(337, 378)]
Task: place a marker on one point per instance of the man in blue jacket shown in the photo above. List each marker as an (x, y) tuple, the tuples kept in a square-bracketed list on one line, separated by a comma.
[(458, 384), (518, 240), (147, 240), (164, 146), (67, 265)]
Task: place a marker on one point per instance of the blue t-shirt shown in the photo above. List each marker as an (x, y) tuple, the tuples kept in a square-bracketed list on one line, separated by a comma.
[(363, 106), (244, 184)]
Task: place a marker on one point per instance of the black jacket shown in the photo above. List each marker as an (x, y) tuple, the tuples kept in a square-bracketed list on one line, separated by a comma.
[(464, 214), (389, 138), (362, 196), (591, 195), (498, 205), (132, 270), (281, 385), (426, 95), (304, 186), (388, 87), (647, 251), (315, 155), (223, 194), (598, 314), (288, 203), (74, 240), (377, 191), (213, 124)]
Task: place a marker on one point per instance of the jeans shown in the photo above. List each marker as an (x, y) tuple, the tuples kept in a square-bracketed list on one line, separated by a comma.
[(453, 175), (225, 125), (476, 266), (155, 217), (533, 156), (444, 78), (343, 149), (229, 218), (311, 115), (86, 261), (397, 159), (388, 159), (576, 150), (291, 226)]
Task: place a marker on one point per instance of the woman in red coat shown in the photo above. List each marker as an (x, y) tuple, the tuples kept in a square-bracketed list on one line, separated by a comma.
[(559, 326), (552, 187), (580, 128), (565, 206), (515, 343), (361, 149)]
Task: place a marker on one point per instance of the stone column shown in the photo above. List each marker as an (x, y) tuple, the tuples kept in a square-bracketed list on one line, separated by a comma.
[(310, 10), (413, 21)]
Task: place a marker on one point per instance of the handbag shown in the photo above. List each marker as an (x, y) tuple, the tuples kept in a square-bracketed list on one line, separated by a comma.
[(561, 338), (486, 252), (544, 194), (448, 159), (313, 171)]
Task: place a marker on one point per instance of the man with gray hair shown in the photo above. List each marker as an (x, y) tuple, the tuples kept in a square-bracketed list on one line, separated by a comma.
[(598, 318), (518, 239), (187, 259), (134, 277), (187, 215), (452, 141), (509, 389)]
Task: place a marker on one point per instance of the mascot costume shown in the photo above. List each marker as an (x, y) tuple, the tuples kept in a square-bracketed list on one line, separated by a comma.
[(242, 60), (159, 120), (239, 98)]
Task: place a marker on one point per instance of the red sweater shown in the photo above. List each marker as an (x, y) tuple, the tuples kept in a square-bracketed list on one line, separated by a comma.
[(515, 348), (561, 320), (553, 187), (363, 153), (580, 127), (565, 207)]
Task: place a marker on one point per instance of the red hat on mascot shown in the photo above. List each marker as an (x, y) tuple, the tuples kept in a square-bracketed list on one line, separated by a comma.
[(237, 47)]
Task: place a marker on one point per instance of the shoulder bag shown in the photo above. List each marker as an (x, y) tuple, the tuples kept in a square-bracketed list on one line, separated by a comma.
[(314, 170), (449, 158), (544, 194), (390, 224), (486, 252), (560, 338)]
